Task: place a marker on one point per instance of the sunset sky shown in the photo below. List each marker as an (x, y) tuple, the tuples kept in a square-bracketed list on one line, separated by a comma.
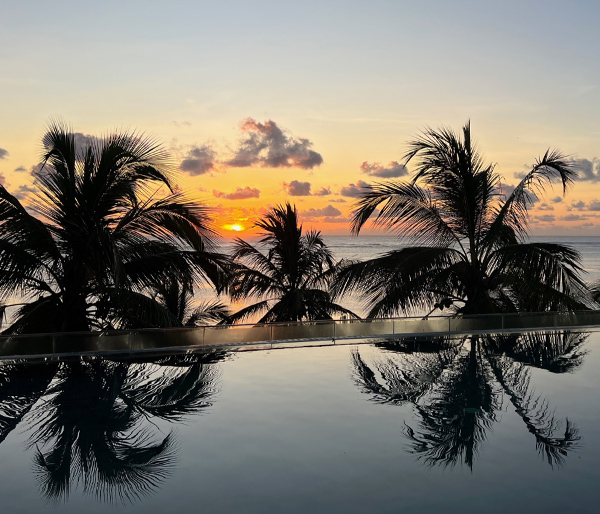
[(260, 102)]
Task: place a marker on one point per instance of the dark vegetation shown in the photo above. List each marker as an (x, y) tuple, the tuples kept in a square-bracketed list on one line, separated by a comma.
[(466, 246), (108, 241)]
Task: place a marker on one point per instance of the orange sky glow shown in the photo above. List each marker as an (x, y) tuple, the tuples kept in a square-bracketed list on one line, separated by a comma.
[(308, 102)]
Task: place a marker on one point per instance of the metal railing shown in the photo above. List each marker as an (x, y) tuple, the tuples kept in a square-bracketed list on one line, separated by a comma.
[(270, 334)]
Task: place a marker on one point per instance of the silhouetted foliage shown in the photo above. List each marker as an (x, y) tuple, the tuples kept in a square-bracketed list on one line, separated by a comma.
[(178, 297), (95, 239), (465, 240), (290, 274)]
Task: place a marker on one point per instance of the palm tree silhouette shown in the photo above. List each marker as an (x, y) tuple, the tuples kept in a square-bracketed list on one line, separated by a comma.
[(92, 420), (290, 274), (466, 239), (96, 238), (456, 392), (177, 298)]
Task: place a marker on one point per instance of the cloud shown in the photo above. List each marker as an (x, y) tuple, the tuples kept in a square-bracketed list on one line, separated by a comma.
[(40, 170), (3, 153), (593, 205), (338, 200), (267, 145), (324, 191), (574, 217), (327, 212), (393, 169), (238, 194), (295, 188), (546, 218), (506, 190), (545, 207), (20, 169), (84, 141), (198, 161), (354, 190), (2, 179), (556, 199), (24, 191), (181, 124), (587, 170), (578, 206)]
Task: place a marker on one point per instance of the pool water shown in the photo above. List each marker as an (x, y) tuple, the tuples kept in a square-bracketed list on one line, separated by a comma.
[(474, 424)]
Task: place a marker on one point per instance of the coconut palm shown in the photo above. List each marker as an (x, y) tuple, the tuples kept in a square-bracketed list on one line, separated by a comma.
[(289, 273), (97, 237), (466, 245), (178, 298)]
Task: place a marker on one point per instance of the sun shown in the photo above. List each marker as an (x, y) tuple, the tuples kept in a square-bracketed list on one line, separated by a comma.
[(236, 227)]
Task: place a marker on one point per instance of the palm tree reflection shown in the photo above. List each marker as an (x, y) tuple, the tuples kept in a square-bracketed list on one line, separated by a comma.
[(96, 423), (457, 391)]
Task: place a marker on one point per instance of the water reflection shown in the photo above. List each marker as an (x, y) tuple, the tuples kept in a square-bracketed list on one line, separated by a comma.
[(458, 388), (94, 421)]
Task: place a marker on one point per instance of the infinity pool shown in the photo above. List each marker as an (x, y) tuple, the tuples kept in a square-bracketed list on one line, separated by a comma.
[(473, 424)]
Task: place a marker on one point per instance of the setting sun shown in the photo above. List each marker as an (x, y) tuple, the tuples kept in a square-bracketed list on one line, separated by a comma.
[(236, 227)]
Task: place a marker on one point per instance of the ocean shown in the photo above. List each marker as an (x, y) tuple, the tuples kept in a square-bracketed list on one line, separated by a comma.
[(367, 247)]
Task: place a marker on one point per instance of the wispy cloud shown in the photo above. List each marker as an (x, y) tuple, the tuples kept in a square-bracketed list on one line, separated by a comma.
[(238, 194), (3, 153), (392, 170), (267, 145), (20, 169)]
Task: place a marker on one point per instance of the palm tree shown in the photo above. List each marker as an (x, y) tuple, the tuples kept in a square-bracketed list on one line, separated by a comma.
[(290, 274), (466, 240), (177, 298), (99, 235)]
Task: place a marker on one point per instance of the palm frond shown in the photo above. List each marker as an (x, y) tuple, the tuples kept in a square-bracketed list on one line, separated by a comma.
[(551, 167), (408, 209), (400, 281)]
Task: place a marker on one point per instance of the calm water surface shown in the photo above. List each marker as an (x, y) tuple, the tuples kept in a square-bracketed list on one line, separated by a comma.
[(387, 427), (369, 247)]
